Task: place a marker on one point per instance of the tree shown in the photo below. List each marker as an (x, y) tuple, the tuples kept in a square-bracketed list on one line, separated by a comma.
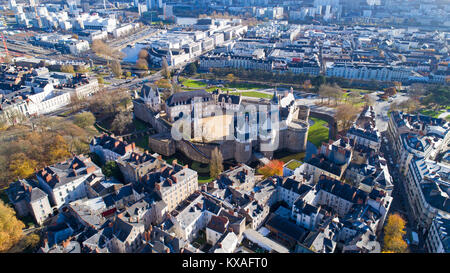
[(345, 114), (438, 97), (326, 91), (369, 100), (116, 68), (30, 241), (67, 68), (163, 83), (15, 117), (393, 234), (318, 80), (336, 92), (143, 54), (3, 123), (230, 77), (191, 69), (390, 91), (59, 149), (10, 228), (75, 102), (354, 97), (307, 85), (81, 69), (111, 169), (416, 90), (101, 48), (216, 163), (121, 121), (84, 119), (142, 64), (21, 166), (165, 68), (274, 167)]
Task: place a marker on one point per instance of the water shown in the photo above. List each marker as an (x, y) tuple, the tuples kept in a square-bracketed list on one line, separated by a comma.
[(186, 21), (131, 53)]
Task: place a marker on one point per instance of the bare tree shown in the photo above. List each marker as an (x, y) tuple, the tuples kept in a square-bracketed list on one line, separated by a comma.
[(75, 102), (121, 121), (337, 93), (142, 64), (165, 68), (326, 91), (346, 114), (116, 68), (369, 100), (216, 163), (416, 90)]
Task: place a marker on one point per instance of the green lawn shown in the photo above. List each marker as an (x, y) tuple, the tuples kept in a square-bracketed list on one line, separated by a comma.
[(293, 164), (298, 156), (204, 179), (361, 91), (245, 86), (318, 133), (255, 94), (139, 125), (142, 142), (193, 83), (432, 113), (200, 167)]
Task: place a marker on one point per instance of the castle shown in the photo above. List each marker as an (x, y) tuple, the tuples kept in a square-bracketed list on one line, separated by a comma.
[(229, 122)]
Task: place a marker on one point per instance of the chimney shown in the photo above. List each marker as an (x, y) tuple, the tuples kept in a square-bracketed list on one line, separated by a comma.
[(48, 178), (65, 243)]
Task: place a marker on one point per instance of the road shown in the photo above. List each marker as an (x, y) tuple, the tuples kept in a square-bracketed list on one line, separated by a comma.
[(400, 203), (381, 109)]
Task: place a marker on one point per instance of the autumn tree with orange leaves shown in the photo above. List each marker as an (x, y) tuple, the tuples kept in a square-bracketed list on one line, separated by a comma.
[(274, 167), (393, 235)]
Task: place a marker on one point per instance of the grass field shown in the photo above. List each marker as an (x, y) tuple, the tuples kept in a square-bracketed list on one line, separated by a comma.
[(255, 94), (432, 113), (298, 156), (293, 165), (245, 86), (193, 83), (318, 133), (361, 91)]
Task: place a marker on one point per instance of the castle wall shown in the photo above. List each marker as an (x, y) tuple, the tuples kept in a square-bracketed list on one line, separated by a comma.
[(303, 112), (332, 124), (144, 113), (162, 145), (243, 151), (293, 138)]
